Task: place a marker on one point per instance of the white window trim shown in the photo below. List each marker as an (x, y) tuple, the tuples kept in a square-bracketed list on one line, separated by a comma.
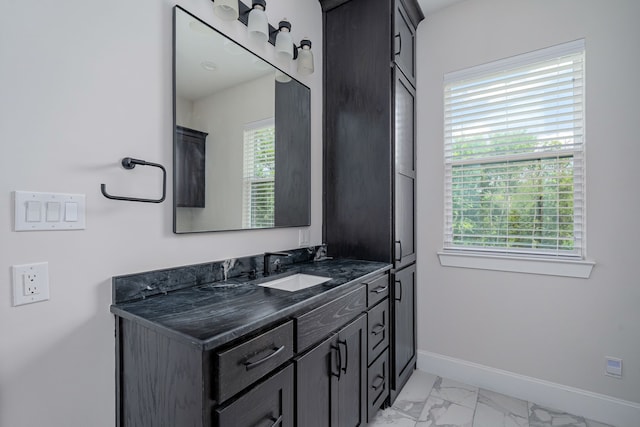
[(578, 267), (517, 264)]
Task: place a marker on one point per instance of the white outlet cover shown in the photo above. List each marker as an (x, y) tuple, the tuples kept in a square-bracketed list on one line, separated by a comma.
[(613, 367), (40, 271)]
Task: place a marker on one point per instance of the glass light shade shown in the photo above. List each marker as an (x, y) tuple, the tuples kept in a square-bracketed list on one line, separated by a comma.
[(305, 58), (282, 77), (258, 25), (226, 9), (284, 45)]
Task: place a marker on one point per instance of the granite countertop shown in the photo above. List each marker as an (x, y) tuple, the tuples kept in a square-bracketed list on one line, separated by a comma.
[(212, 314)]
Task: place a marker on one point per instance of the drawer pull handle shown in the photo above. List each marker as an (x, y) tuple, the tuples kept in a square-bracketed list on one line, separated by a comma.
[(250, 365), (339, 360), (346, 354), (378, 329), (399, 257), (276, 421), (380, 289), (399, 37), (380, 383), (400, 293)]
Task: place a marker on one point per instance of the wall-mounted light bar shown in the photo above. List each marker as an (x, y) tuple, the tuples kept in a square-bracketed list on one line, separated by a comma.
[(254, 18)]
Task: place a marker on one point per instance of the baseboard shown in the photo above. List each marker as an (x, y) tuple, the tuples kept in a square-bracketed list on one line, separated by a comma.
[(598, 407)]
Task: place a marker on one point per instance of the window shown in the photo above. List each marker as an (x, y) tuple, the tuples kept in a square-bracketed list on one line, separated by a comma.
[(514, 155), (259, 175)]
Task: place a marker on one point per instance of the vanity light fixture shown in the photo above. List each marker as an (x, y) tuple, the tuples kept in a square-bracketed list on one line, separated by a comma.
[(284, 42), (260, 31), (305, 58), (258, 25), (226, 9)]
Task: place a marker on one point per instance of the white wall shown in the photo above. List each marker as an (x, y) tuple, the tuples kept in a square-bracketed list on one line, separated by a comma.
[(86, 83), (550, 328), (217, 115)]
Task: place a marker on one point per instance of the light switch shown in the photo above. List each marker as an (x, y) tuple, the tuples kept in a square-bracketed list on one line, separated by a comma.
[(34, 211), (49, 211), (53, 211), (71, 212)]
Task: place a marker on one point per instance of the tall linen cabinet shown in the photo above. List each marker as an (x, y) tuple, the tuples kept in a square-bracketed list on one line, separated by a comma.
[(369, 151)]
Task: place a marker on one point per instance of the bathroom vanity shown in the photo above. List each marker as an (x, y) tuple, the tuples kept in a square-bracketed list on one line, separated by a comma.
[(214, 345)]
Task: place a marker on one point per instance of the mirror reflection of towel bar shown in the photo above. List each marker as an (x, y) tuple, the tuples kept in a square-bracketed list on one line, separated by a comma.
[(130, 163)]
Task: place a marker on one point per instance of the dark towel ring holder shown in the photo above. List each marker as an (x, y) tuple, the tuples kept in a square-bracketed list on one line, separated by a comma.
[(130, 163)]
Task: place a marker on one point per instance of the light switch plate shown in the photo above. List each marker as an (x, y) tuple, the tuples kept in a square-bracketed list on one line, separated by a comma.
[(49, 211)]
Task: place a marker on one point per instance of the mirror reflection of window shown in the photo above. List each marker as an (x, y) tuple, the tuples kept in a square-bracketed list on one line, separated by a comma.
[(258, 202)]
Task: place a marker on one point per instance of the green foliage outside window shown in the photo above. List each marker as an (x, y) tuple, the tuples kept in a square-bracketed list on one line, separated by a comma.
[(522, 203)]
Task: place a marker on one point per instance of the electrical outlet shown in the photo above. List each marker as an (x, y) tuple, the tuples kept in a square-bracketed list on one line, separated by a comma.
[(30, 283), (304, 237), (613, 367)]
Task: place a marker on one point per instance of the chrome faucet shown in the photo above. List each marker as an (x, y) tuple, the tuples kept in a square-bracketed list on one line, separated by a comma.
[(267, 260)]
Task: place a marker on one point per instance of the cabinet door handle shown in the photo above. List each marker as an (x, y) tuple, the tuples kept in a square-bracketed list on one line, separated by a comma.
[(250, 364), (379, 384), (399, 37), (399, 257), (400, 297), (380, 289), (378, 329), (276, 421), (346, 354), (339, 359)]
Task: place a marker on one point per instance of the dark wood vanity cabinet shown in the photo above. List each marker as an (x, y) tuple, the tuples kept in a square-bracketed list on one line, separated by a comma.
[(369, 150), (326, 365)]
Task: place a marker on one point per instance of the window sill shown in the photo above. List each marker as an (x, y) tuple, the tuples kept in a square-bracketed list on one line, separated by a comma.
[(518, 264)]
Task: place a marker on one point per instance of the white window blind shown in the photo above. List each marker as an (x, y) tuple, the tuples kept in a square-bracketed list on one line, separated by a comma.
[(259, 174), (514, 154)]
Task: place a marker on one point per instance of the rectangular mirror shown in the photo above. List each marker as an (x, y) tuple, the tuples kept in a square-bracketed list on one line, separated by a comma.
[(242, 142)]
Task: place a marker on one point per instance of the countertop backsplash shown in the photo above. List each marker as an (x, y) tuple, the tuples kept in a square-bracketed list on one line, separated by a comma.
[(137, 286)]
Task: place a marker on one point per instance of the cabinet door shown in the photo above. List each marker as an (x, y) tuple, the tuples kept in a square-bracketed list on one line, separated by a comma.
[(316, 385), (190, 167), (404, 329), (352, 381), (404, 42), (405, 172), (267, 404), (331, 380)]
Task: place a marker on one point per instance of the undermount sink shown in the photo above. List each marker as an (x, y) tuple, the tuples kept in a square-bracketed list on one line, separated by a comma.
[(295, 282)]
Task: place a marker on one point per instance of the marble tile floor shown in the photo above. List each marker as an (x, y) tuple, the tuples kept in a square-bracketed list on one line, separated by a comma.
[(431, 401)]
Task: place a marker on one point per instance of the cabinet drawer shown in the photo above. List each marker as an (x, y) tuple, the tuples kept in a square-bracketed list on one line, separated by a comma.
[(239, 366), (377, 290), (379, 329), (377, 385), (316, 324), (267, 404)]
